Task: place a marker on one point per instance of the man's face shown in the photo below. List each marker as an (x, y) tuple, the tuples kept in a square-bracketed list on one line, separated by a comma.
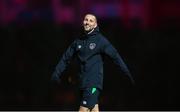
[(89, 22)]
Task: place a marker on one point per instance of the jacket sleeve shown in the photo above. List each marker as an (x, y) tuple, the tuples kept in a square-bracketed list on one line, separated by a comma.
[(64, 62), (111, 52)]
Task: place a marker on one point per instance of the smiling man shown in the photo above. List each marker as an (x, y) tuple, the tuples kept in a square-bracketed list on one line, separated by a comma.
[(89, 50), (89, 23)]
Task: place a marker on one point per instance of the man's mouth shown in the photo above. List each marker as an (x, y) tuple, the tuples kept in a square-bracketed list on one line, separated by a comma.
[(87, 26)]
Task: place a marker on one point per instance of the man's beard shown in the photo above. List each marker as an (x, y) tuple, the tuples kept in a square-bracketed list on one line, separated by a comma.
[(87, 28), (89, 31)]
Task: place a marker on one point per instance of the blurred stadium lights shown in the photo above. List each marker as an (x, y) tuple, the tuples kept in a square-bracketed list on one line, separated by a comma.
[(146, 12)]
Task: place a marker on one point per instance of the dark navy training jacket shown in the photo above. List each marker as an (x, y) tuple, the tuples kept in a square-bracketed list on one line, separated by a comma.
[(89, 51)]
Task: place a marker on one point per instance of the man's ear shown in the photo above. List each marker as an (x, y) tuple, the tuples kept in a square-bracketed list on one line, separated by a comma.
[(95, 25)]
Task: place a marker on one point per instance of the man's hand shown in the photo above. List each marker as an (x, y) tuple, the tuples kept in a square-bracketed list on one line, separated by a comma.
[(54, 83), (132, 81), (55, 79)]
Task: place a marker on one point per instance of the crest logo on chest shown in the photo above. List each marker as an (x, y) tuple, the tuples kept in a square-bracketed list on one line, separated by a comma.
[(92, 46)]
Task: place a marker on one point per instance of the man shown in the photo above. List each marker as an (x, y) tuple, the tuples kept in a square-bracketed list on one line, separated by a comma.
[(89, 50)]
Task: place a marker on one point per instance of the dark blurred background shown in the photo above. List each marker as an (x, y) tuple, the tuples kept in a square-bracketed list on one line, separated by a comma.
[(35, 33)]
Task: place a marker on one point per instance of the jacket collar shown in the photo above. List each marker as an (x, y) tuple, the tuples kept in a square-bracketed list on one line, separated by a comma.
[(94, 32), (87, 35)]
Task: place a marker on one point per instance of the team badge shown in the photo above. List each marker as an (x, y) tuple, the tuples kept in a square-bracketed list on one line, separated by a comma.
[(84, 102), (92, 46)]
